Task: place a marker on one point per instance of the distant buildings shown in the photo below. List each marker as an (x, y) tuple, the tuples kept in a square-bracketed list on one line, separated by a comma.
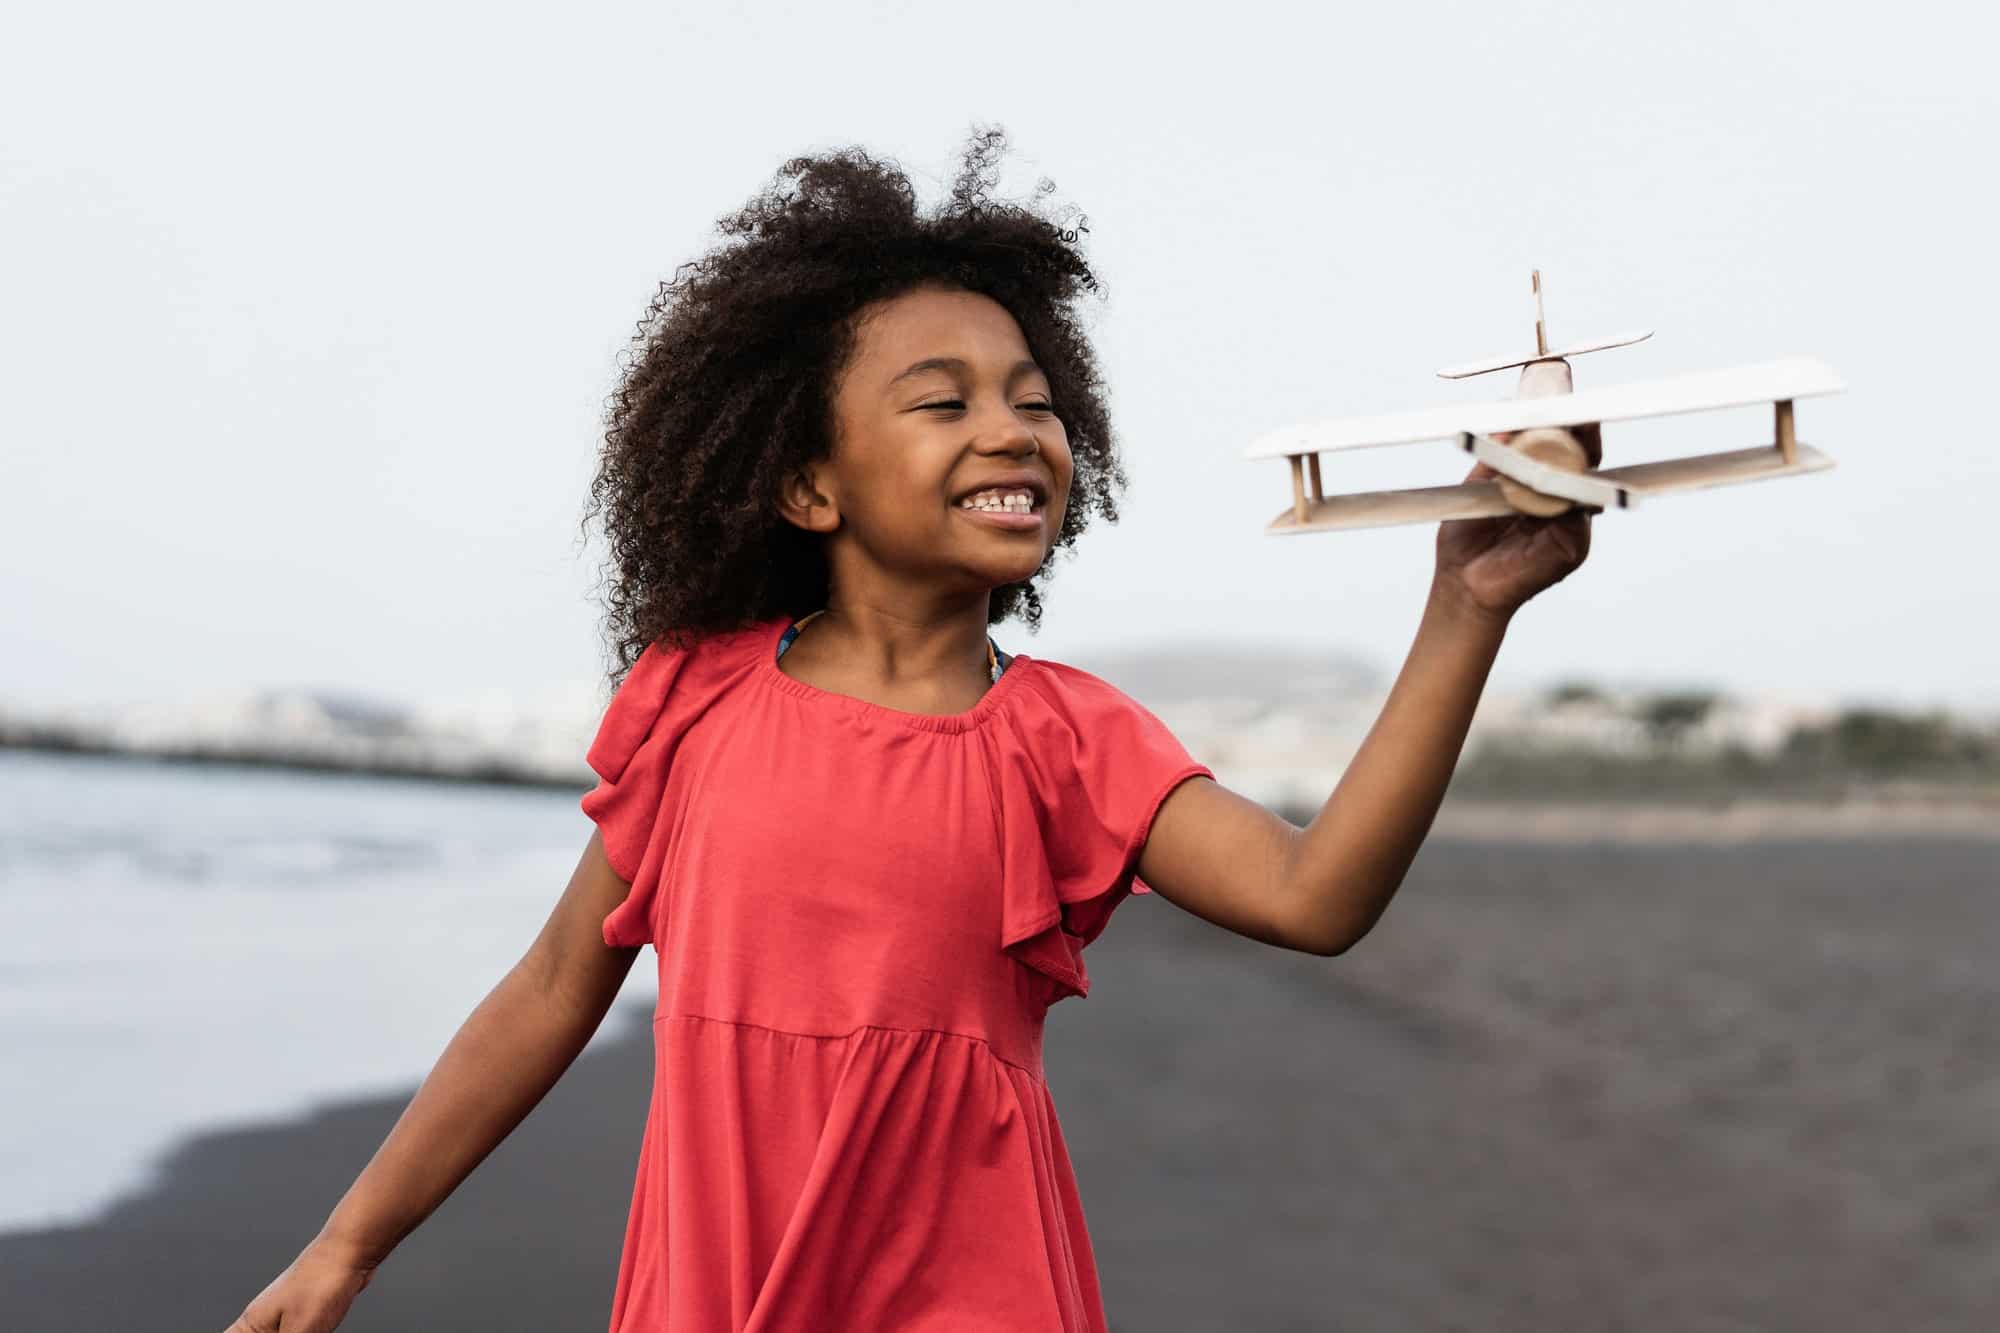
[(1276, 724)]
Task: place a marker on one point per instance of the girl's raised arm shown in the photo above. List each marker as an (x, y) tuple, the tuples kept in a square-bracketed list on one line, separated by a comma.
[(1319, 889), (503, 1060)]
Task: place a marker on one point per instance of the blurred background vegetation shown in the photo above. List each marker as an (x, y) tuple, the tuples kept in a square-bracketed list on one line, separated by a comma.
[(1678, 751)]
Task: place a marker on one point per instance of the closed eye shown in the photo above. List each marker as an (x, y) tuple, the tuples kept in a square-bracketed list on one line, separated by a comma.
[(958, 405)]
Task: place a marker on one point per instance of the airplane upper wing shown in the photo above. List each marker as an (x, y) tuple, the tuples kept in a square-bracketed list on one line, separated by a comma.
[(1767, 381)]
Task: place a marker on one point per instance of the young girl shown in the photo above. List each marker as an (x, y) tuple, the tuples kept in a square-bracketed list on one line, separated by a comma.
[(867, 846)]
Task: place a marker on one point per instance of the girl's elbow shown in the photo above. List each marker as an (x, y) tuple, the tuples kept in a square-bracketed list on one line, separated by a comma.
[(1332, 946), (1320, 938), (1331, 938)]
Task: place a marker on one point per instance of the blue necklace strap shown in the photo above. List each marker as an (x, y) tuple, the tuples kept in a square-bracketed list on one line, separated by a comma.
[(1000, 659)]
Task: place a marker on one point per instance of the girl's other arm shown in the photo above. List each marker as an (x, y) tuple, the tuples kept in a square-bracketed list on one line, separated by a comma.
[(1321, 888), (502, 1061)]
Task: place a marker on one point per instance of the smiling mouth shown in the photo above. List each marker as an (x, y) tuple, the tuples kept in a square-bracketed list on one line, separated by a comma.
[(1007, 518)]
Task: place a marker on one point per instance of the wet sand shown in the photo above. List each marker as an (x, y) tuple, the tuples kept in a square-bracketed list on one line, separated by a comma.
[(1734, 823), (1566, 1084)]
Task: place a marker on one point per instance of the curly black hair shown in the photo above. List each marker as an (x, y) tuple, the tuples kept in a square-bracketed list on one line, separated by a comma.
[(727, 387)]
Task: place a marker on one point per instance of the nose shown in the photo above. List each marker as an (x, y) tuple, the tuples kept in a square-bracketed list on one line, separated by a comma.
[(1010, 433)]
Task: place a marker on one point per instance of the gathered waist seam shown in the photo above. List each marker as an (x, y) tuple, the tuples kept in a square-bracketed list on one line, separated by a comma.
[(991, 1049)]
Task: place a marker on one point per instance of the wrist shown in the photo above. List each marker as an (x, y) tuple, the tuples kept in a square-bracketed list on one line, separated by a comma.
[(1451, 603), (345, 1251)]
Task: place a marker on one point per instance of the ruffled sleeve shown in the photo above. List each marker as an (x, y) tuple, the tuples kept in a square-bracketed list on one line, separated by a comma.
[(633, 757), (1082, 769)]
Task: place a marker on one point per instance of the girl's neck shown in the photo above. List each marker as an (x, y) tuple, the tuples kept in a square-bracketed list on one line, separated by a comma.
[(884, 657)]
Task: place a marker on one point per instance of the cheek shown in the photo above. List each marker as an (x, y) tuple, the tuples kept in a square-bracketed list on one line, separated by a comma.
[(1062, 463)]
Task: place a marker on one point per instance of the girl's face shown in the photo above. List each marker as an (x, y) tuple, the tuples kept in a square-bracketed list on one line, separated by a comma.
[(940, 399)]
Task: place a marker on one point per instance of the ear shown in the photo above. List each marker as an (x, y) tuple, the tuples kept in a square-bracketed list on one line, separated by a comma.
[(804, 501)]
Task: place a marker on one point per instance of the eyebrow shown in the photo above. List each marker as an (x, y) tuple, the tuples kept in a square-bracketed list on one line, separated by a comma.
[(957, 364)]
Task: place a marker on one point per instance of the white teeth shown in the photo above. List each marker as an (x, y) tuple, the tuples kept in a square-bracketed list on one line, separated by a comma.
[(1017, 502)]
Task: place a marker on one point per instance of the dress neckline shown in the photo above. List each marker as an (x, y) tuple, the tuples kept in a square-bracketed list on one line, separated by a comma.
[(767, 670)]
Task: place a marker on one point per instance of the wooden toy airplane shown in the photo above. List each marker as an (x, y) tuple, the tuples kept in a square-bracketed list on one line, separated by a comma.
[(1544, 469)]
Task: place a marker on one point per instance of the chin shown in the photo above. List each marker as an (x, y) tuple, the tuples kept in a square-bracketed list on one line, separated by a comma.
[(999, 576)]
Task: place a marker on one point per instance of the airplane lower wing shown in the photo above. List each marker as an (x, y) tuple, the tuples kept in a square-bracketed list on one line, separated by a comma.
[(1386, 509), (1482, 499), (1701, 471)]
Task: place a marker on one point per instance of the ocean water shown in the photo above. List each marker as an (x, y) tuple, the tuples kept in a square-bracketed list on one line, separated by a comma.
[(186, 947)]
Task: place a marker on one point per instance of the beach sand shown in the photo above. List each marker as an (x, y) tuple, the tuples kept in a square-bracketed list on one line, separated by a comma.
[(1879, 815), (1567, 1084)]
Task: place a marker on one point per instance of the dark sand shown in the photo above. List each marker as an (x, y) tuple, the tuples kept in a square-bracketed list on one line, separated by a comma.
[(1562, 1087)]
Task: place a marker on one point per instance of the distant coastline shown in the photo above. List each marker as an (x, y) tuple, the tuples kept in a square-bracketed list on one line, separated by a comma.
[(1280, 729), (1671, 808), (496, 773)]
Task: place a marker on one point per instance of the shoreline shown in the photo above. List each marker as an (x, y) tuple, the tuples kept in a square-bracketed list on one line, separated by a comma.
[(221, 1212), (1863, 810), (1542, 1094), (493, 773)]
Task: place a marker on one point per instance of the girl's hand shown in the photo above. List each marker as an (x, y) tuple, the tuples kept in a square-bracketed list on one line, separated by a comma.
[(1493, 565), (311, 1296)]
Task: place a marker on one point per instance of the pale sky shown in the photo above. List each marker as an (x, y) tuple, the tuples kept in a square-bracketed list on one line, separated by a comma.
[(309, 315)]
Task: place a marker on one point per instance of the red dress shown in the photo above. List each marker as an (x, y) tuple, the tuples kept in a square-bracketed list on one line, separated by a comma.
[(862, 916)]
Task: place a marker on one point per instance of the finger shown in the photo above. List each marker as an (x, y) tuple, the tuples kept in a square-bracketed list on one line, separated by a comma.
[(256, 1317), (1576, 535), (1591, 437)]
